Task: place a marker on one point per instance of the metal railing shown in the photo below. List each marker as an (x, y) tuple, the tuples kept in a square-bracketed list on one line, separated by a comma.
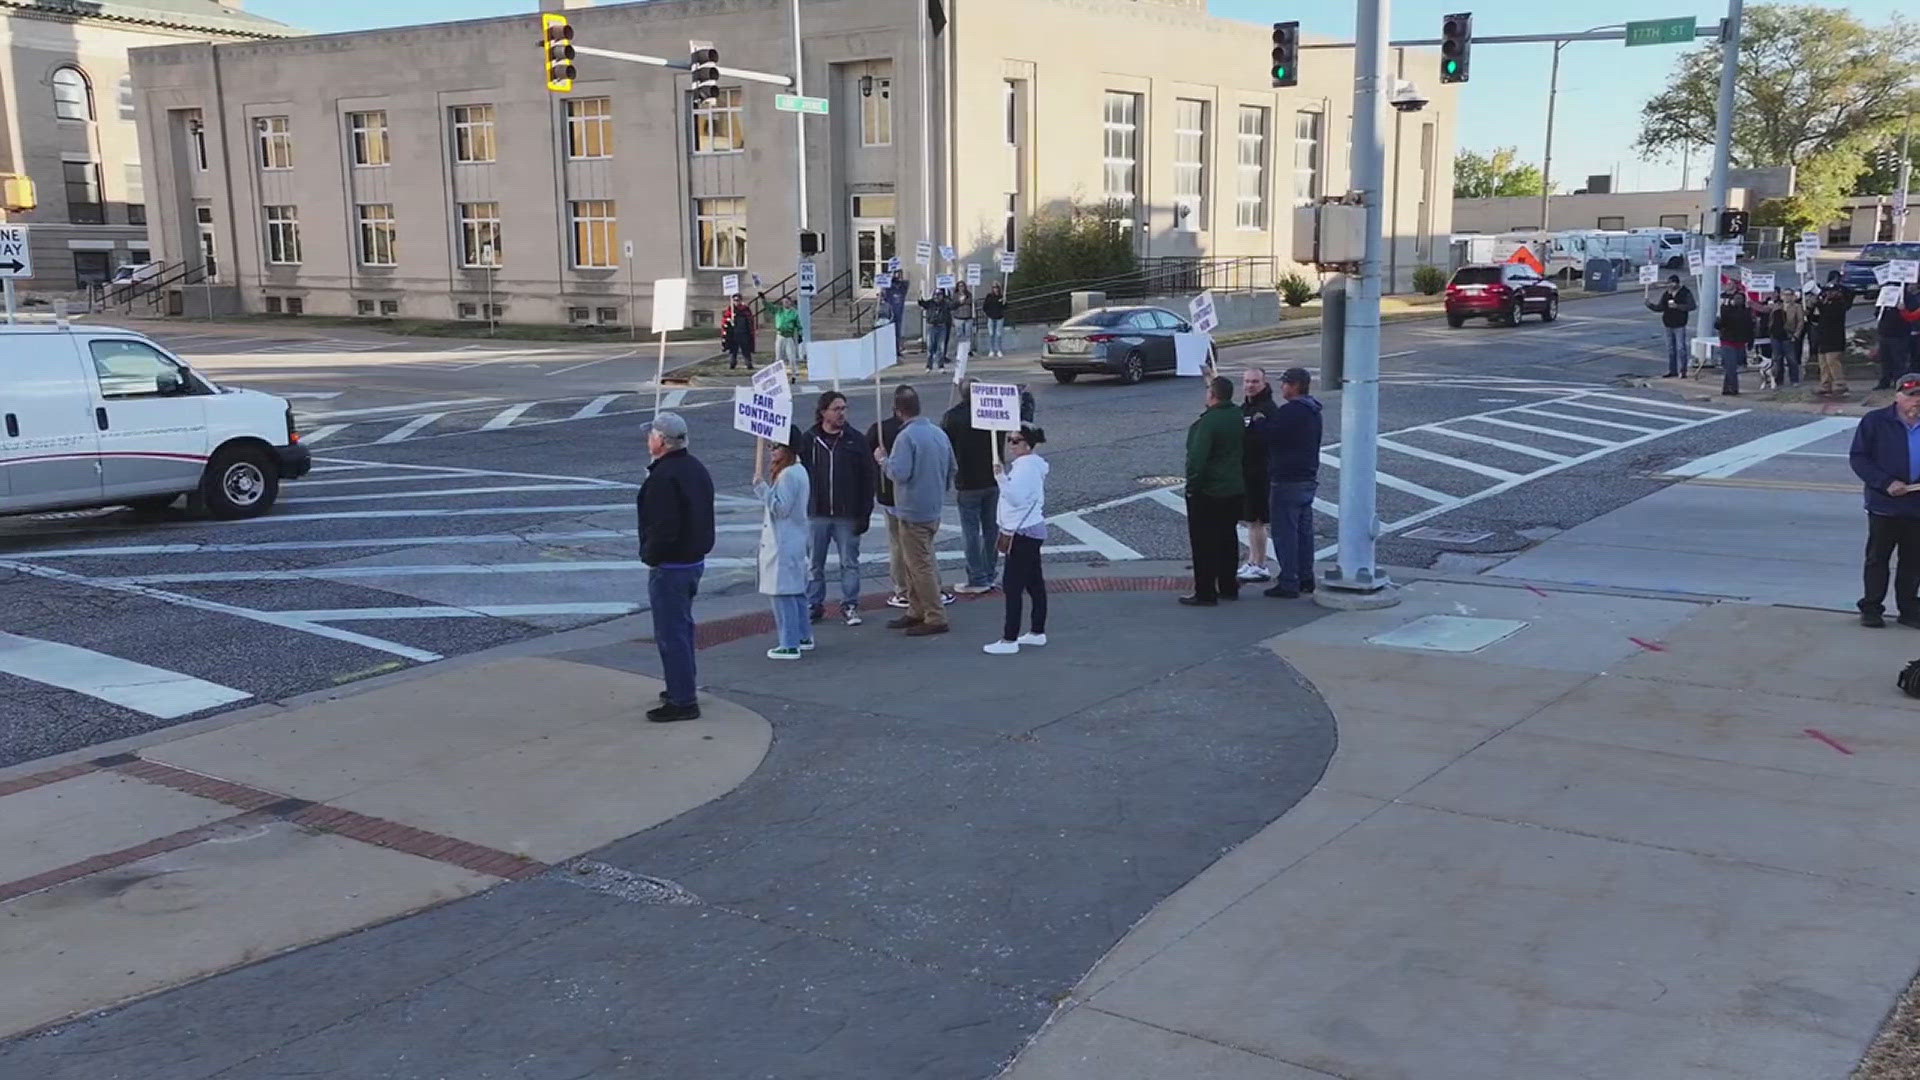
[(148, 293), (1156, 276)]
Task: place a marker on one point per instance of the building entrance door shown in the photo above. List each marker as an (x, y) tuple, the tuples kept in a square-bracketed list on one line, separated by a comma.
[(873, 238)]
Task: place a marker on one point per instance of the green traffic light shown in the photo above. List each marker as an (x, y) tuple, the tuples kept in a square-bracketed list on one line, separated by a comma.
[(1453, 66), (1280, 72)]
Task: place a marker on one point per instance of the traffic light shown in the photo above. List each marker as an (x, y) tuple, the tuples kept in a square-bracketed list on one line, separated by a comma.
[(1456, 47), (1733, 224), (1286, 54), (556, 41), (704, 59)]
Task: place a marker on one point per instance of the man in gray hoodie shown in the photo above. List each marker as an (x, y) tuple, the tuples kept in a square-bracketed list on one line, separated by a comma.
[(921, 466)]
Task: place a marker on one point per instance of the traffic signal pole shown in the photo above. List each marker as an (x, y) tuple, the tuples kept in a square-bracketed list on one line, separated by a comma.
[(1707, 303), (800, 199)]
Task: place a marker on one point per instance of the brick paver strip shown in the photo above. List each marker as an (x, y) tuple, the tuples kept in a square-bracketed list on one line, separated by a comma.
[(60, 875), (42, 779)]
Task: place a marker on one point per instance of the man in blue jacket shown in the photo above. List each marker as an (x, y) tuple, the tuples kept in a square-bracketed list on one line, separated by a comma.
[(1291, 434), (1886, 457)]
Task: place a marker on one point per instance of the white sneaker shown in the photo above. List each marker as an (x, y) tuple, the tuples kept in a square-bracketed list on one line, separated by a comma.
[(972, 590), (1001, 648), (1253, 572), (777, 653), (853, 617), (947, 596), (807, 645), (898, 600), (1032, 639)]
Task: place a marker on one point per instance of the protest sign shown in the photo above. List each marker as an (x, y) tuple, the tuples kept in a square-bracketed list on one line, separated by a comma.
[(1890, 296), (893, 264), (1907, 270), (1202, 314), (1191, 353), (730, 284), (772, 380), (973, 275), (923, 251), (996, 406), (1756, 282), (757, 283), (669, 305), (1008, 262), (1883, 273), (944, 282), (946, 252), (882, 282), (961, 354), (763, 416), (852, 359), (1649, 274), (1695, 263)]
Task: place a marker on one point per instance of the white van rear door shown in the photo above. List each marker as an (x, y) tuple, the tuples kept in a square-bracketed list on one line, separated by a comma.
[(54, 459), (152, 416)]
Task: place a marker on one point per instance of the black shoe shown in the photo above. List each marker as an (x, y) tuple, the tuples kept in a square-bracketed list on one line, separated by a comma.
[(669, 712), (1912, 621), (1199, 601), (1872, 619), (1281, 592), (1307, 585), (816, 614)]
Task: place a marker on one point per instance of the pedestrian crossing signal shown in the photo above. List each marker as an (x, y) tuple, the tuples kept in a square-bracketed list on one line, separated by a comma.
[(556, 40)]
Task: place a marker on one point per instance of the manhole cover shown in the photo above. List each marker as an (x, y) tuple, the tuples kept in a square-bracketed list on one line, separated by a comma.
[(1449, 633), (1159, 481), (1446, 536)]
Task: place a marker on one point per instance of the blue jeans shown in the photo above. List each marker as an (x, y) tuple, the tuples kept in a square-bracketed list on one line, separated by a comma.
[(962, 331), (996, 335), (980, 531), (936, 345), (1678, 354), (1290, 507), (838, 531), (1732, 359), (790, 619), (670, 593)]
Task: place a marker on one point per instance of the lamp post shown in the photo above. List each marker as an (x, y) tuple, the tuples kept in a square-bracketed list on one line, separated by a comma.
[(1553, 93)]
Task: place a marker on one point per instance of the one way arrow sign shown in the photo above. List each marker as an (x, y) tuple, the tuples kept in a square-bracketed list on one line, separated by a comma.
[(16, 258)]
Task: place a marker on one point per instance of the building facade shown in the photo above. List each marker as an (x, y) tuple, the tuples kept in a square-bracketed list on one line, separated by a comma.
[(67, 122), (428, 172)]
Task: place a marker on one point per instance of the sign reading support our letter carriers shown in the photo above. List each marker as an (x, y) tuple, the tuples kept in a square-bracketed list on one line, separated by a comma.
[(996, 406)]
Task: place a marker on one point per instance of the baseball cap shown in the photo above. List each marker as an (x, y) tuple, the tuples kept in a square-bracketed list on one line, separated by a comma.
[(1908, 384), (1298, 376), (670, 426)]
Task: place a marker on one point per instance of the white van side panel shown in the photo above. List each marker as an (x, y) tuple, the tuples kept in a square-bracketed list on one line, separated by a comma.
[(151, 444), (55, 460)]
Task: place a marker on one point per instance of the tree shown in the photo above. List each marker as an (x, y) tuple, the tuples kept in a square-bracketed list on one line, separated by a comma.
[(1815, 88), (1883, 167), (1477, 176), (1079, 242)]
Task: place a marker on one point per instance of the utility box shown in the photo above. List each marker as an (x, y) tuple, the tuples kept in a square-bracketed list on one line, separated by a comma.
[(1329, 234)]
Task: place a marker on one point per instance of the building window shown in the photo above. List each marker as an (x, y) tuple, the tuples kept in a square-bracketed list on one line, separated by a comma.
[(480, 234), (91, 268), (718, 126), (363, 307), (1674, 221), (596, 234), (283, 235), (139, 256), (296, 306), (473, 133), (607, 314), (1306, 156), (203, 217), (590, 127), (72, 95), (273, 305), (1010, 240), (1250, 202), (876, 112), (1011, 102), (369, 132), (276, 142), (83, 193), (378, 234), (126, 97), (720, 226), (1121, 161), (389, 308), (579, 315), (136, 197), (197, 134), (1189, 164), (469, 311), (1610, 221)]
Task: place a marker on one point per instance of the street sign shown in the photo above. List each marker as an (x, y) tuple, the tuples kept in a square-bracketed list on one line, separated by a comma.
[(1008, 260), (973, 275), (807, 278), (16, 258), (800, 104), (1661, 31), (1723, 253), (923, 251)]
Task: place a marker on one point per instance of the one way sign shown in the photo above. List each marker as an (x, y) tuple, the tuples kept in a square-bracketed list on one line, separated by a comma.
[(16, 258)]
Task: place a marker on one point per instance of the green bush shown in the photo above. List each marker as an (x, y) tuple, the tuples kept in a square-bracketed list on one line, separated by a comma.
[(1429, 279), (1082, 242), (1295, 289)]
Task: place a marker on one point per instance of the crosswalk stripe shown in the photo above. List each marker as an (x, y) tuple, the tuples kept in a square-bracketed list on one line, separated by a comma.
[(1662, 404), (1518, 448), (317, 434), (379, 410), (1752, 452), (442, 493), (1582, 403), (1537, 411), (409, 429), (507, 416), (1536, 429), (151, 690), (1387, 479), (596, 406), (1488, 471), (1098, 539), (672, 399)]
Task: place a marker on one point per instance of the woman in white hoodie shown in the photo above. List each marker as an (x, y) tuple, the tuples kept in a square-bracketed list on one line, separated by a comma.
[(1022, 518), (783, 551)]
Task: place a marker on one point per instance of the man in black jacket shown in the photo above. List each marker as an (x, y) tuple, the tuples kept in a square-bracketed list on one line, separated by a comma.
[(975, 490), (675, 507), (1674, 304), (1291, 435), (1828, 320), (1256, 404), (841, 472)]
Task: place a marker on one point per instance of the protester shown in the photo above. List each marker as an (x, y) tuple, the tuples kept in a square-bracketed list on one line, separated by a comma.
[(1895, 332), (963, 308), (1256, 403), (881, 436), (786, 328), (937, 312), (1674, 303), (1828, 320), (675, 508), (841, 477), (736, 333), (1788, 323), (1023, 509), (1735, 325), (1290, 437), (994, 307), (975, 490), (921, 465), (783, 549), (896, 299), (1886, 458), (1215, 490)]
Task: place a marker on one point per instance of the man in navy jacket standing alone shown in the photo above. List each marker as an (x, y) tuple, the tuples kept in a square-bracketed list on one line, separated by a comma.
[(1886, 457)]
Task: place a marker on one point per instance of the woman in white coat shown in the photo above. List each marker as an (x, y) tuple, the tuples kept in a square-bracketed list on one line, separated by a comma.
[(783, 551), (1022, 516)]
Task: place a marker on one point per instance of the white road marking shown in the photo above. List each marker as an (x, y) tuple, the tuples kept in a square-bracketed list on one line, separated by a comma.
[(1661, 404), (1754, 451), (378, 410), (440, 493), (596, 406), (1536, 429), (151, 690), (1100, 541), (406, 430), (357, 463), (672, 399), (1444, 459), (479, 540), (484, 511), (507, 416), (1518, 448), (478, 611), (1536, 410), (299, 395), (1641, 413), (314, 436)]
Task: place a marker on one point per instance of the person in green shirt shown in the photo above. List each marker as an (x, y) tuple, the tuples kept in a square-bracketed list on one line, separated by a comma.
[(786, 330), (1215, 491)]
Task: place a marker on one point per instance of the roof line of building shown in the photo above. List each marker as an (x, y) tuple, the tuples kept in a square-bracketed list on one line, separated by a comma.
[(69, 10)]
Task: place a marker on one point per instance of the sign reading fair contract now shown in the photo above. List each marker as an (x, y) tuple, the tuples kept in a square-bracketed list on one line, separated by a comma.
[(996, 406), (765, 416)]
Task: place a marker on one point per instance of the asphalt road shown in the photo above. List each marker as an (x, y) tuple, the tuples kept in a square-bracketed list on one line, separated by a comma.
[(468, 497)]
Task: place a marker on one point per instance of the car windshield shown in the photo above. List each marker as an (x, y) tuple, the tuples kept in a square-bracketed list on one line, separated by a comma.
[(1476, 275), (1890, 251), (1100, 317)]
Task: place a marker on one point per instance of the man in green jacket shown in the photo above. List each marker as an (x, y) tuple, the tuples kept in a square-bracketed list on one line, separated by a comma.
[(786, 330), (1215, 490)]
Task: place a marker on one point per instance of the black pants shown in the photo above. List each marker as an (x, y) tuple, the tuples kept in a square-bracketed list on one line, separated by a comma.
[(1886, 536), (1896, 358), (1216, 547), (1022, 576)]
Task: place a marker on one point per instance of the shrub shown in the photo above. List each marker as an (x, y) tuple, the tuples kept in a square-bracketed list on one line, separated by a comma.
[(1295, 289), (1429, 279), (1075, 243)]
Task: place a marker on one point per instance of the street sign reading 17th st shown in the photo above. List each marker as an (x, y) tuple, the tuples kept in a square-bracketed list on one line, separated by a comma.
[(799, 104), (1661, 31)]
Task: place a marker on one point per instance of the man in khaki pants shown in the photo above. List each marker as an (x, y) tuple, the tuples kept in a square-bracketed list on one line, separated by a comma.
[(921, 466), (1828, 316)]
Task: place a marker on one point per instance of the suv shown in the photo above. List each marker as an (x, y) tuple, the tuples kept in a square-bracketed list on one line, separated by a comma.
[(1856, 276), (94, 416), (1504, 291)]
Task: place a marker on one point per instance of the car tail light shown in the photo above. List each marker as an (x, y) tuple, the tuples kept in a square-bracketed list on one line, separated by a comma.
[(1100, 339), (1498, 288), (1050, 338)]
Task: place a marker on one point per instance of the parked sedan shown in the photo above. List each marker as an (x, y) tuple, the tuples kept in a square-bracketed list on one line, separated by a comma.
[(1131, 342), (1503, 291), (1857, 275)]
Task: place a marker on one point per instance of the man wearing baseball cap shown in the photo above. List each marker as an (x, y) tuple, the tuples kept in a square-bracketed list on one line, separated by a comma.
[(676, 532), (1291, 435), (1886, 457)]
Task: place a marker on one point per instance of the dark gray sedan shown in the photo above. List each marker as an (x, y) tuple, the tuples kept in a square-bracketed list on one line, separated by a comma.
[(1131, 342)]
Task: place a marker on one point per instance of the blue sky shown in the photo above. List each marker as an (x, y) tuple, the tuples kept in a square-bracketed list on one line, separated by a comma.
[(1601, 83)]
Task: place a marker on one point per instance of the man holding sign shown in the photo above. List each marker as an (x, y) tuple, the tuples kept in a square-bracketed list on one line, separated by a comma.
[(1674, 304)]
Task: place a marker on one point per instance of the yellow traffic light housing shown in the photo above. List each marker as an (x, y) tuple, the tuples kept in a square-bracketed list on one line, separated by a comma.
[(16, 193), (556, 41)]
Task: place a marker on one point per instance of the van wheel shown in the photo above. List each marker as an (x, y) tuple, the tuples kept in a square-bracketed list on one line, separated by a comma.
[(240, 482), (1065, 376)]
